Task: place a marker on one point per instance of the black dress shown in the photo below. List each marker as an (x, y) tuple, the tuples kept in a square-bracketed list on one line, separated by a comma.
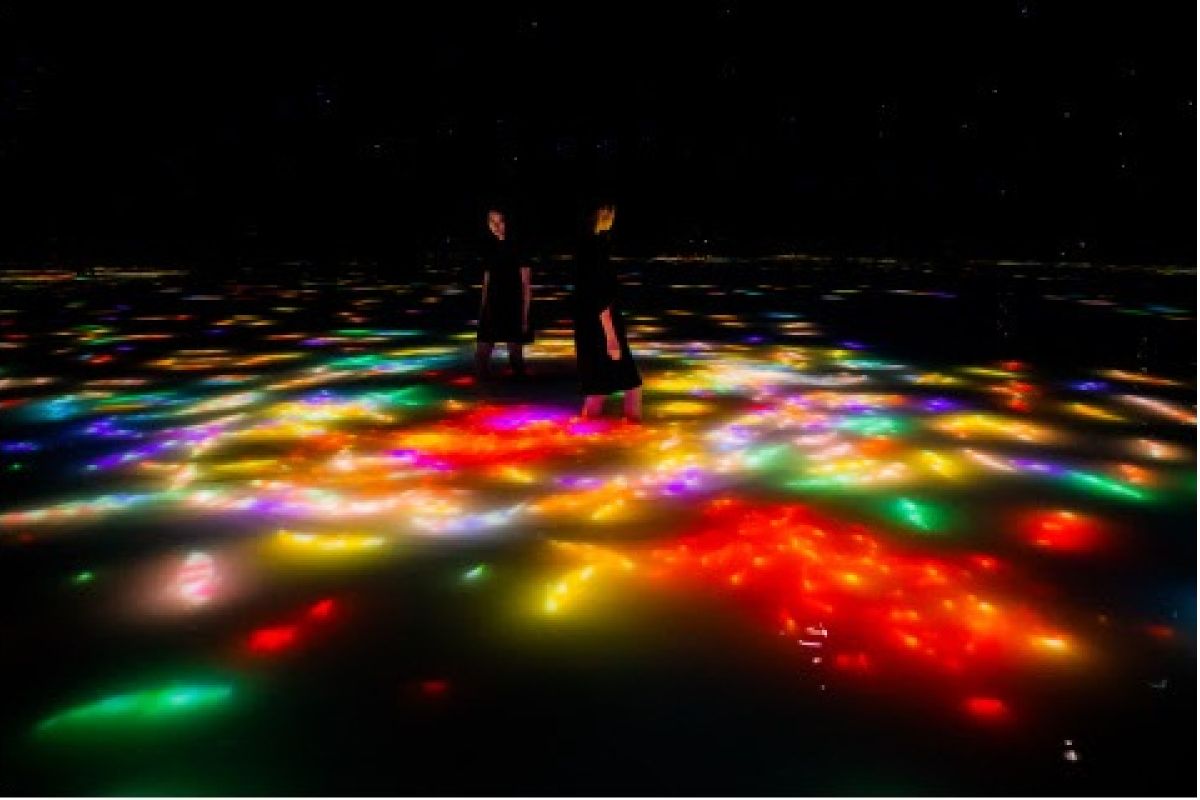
[(596, 289), (502, 315)]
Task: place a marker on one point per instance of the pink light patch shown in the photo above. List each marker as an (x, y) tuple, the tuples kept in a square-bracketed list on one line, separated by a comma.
[(521, 418), (197, 579)]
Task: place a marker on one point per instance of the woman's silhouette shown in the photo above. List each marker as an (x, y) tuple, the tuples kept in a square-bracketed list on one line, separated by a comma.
[(601, 350), (504, 310)]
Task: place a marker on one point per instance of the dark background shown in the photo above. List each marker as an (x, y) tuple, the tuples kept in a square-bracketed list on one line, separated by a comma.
[(207, 133)]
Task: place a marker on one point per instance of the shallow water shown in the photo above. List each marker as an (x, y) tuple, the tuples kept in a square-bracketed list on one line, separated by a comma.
[(888, 529)]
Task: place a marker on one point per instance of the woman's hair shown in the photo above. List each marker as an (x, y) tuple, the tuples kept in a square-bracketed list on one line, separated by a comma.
[(590, 208)]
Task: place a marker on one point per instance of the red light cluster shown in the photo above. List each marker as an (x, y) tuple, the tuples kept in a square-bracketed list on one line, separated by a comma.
[(277, 638)]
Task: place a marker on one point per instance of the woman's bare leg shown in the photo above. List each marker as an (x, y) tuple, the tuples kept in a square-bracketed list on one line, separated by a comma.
[(483, 354), (516, 358), (593, 406), (633, 405)]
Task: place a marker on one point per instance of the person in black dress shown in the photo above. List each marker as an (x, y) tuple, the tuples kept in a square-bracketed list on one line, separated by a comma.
[(504, 311), (601, 350)]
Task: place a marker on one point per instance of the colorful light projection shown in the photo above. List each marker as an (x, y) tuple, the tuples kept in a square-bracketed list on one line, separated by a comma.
[(887, 608), (801, 417), (337, 449), (856, 605)]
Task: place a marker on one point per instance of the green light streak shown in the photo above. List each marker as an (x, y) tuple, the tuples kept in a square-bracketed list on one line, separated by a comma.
[(144, 709), (912, 513), (866, 364), (823, 482), (923, 517), (371, 332), (1105, 485), (407, 397)]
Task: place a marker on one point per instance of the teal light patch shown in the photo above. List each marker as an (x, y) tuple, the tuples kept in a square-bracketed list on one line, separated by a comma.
[(475, 573), (148, 709), (356, 332), (762, 457), (1105, 486), (374, 363), (58, 409), (866, 364), (407, 397), (873, 425), (919, 516), (822, 482)]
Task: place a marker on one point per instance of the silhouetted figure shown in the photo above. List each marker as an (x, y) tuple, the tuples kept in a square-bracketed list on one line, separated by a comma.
[(504, 311), (601, 350)]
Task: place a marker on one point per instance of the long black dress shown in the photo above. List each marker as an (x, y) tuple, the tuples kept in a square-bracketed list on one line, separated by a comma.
[(502, 315), (596, 288)]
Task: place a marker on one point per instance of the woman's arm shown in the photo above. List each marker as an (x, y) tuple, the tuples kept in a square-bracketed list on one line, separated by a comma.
[(612, 343), (483, 300), (526, 296)]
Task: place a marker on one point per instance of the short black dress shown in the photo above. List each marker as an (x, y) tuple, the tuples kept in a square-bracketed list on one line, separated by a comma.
[(501, 317), (596, 288)]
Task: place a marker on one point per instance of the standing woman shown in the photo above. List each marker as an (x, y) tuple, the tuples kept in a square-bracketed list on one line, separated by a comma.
[(504, 311), (601, 351)]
